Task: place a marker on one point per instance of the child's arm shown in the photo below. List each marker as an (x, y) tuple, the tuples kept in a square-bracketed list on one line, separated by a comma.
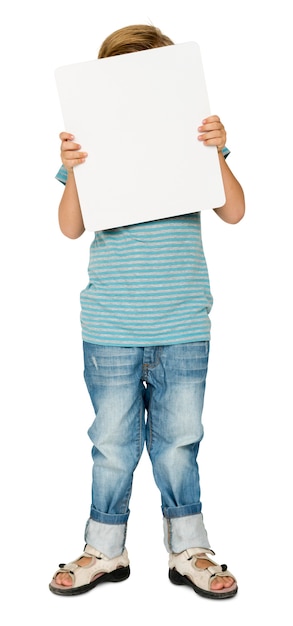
[(214, 134), (70, 217)]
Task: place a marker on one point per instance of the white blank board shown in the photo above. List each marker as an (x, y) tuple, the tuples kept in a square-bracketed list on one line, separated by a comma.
[(137, 116)]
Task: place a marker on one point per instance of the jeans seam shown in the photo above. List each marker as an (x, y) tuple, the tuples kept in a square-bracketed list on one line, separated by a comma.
[(151, 366), (150, 424)]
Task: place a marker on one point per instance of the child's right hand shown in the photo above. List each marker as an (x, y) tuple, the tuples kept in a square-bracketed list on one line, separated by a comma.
[(70, 152)]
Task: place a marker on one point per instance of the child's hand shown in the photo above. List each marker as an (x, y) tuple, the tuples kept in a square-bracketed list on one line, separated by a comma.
[(213, 132), (70, 152)]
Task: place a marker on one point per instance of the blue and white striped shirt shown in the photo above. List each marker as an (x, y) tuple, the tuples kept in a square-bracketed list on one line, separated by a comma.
[(148, 284)]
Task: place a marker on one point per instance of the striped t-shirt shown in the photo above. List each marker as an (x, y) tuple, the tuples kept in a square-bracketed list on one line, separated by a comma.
[(148, 284)]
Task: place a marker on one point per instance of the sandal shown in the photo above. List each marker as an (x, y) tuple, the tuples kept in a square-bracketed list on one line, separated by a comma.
[(86, 577), (183, 571)]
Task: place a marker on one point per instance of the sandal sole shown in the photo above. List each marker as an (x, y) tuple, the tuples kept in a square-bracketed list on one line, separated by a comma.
[(178, 579), (118, 575)]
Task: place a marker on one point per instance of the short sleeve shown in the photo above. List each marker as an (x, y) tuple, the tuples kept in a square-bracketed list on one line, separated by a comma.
[(62, 175), (225, 152)]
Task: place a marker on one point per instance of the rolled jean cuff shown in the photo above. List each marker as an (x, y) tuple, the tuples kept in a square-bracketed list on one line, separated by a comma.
[(107, 538), (181, 511), (108, 518), (181, 533)]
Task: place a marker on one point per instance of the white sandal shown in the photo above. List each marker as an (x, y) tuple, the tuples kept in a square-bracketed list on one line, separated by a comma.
[(100, 569), (183, 571)]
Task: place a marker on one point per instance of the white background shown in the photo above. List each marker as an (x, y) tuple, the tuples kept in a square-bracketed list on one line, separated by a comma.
[(245, 458)]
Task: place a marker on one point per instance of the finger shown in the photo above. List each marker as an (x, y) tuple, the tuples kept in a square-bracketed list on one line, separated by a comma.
[(211, 126), (66, 136), (212, 135), (69, 163), (69, 145), (214, 142), (72, 159), (73, 156), (211, 118)]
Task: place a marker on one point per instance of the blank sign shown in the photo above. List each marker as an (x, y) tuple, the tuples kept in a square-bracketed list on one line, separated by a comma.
[(137, 116)]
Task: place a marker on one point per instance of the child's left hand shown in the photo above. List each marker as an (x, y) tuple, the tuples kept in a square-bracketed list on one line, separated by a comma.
[(213, 132)]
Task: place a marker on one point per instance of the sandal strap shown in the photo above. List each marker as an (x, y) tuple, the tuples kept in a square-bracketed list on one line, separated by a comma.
[(196, 551), (90, 551), (99, 564), (185, 564)]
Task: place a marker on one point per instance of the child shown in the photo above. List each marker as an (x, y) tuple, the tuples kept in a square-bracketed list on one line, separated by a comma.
[(146, 331)]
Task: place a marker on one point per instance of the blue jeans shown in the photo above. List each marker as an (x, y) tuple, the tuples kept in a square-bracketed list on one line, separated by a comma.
[(151, 395)]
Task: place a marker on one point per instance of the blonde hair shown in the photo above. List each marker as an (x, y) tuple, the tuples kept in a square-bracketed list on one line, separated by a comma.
[(133, 39)]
